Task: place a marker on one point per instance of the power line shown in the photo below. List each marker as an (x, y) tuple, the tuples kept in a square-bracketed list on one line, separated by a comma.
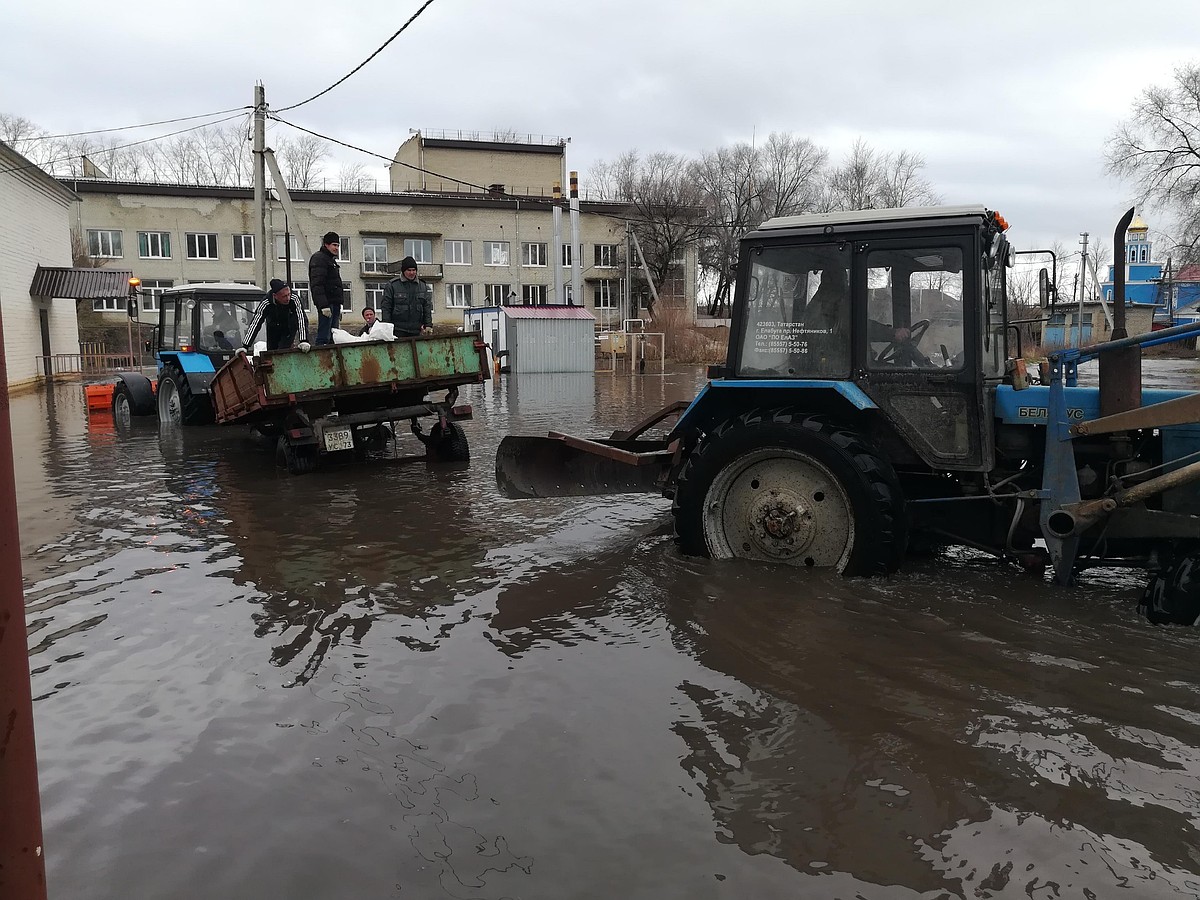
[(219, 112), (161, 137), (399, 31)]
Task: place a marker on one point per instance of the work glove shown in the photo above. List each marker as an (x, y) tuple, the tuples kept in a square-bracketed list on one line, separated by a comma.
[(324, 310), (305, 346)]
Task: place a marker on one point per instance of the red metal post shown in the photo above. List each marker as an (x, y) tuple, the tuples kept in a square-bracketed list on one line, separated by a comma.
[(22, 863)]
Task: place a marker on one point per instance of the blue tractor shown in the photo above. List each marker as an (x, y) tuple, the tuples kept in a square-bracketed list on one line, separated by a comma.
[(874, 404), (200, 327)]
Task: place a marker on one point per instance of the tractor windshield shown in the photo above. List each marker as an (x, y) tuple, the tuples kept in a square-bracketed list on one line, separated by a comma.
[(224, 323), (797, 313)]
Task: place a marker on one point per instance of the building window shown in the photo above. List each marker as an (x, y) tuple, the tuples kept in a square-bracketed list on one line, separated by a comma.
[(496, 294), (201, 246), (151, 291), (458, 253), (281, 240), (533, 294), (343, 248), (154, 244), (566, 255), (458, 296), (533, 254), (495, 253), (375, 254), (421, 251), (109, 304), (243, 246), (1143, 254), (105, 244), (606, 256), (374, 295), (347, 297), (300, 289), (604, 295)]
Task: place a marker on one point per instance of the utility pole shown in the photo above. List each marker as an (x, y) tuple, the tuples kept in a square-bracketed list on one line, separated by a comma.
[(1082, 290), (22, 859), (260, 182), (627, 301)]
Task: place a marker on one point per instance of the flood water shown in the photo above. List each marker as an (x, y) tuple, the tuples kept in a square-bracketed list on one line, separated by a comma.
[(387, 681)]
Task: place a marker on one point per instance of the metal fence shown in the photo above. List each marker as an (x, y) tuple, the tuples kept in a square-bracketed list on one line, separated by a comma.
[(84, 364)]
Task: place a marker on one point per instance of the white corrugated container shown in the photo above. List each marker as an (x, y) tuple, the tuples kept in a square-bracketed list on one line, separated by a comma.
[(538, 338)]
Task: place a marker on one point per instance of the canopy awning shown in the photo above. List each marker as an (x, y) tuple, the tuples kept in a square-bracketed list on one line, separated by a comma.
[(80, 283)]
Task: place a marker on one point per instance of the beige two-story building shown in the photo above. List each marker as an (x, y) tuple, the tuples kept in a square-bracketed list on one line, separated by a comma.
[(482, 234)]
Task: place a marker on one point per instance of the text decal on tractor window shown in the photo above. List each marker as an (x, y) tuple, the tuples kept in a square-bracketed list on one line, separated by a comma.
[(784, 337)]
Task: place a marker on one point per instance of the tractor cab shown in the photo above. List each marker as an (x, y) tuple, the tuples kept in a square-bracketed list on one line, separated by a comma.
[(209, 320), (907, 306), (200, 328)]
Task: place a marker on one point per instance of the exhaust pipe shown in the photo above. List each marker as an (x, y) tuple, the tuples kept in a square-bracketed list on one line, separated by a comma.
[(1120, 370)]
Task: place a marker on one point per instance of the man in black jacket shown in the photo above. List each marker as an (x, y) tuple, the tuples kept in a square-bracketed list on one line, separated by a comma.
[(325, 285), (407, 302), (287, 325)]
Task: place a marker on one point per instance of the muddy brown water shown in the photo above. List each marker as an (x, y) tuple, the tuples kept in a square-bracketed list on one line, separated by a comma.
[(385, 681)]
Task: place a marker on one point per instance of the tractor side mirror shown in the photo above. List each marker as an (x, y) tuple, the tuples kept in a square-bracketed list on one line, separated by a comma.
[(1045, 289)]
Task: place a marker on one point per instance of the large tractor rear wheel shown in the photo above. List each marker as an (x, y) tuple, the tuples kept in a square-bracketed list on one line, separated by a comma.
[(177, 405), (1173, 597), (785, 488)]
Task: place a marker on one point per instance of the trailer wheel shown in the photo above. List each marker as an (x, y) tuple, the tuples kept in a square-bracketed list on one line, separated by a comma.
[(786, 488), (449, 445), (177, 405), (297, 460), (1173, 597)]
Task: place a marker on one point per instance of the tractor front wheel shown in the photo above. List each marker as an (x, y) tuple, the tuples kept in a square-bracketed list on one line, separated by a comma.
[(780, 487), (177, 405)]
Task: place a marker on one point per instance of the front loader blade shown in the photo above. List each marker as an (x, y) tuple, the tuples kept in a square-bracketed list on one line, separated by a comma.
[(558, 466)]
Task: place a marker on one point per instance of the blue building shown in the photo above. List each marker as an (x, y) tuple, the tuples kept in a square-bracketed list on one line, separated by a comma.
[(1173, 295)]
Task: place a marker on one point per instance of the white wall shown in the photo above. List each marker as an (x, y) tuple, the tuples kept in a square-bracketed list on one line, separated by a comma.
[(34, 228)]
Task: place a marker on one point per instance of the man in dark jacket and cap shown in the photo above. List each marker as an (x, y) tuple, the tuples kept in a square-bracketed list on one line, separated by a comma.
[(287, 325), (407, 302), (325, 286)]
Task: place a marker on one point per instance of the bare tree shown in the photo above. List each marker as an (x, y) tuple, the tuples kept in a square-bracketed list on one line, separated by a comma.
[(744, 185), (665, 206), (353, 177), (871, 179), (301, 159), (1158, 150)]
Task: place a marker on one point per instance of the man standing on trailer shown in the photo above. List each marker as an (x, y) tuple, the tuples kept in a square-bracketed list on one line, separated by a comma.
[(325, 284), (287, 325), (408, 302)]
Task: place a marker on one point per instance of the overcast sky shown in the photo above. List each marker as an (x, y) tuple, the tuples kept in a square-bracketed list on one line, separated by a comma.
[(1009, 103)]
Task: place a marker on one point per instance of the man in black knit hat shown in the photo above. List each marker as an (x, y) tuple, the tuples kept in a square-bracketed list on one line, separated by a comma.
[(287, 325), (325, 285), (407, 302)]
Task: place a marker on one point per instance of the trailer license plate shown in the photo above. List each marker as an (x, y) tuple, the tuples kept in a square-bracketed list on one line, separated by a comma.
[(338, 439)]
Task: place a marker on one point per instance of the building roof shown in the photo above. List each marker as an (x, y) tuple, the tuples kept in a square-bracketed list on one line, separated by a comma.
[(1138, 224), (12, 162), (472, 199), (547, 312), (79, 284)]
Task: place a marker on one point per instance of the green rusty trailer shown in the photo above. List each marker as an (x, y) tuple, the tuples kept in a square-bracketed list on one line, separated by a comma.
[(343, 397)]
